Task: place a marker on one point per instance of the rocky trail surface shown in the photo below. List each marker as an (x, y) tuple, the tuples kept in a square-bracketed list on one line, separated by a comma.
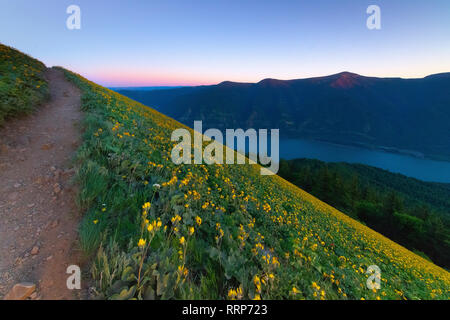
[(38, 216)]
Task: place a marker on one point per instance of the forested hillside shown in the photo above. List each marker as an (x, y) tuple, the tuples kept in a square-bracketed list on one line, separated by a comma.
[(409, 211)]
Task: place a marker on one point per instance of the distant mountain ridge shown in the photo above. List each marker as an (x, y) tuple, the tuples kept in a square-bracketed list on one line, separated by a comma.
[(346, 108)]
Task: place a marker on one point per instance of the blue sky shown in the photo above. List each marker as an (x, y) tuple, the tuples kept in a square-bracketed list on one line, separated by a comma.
[(172, 42)]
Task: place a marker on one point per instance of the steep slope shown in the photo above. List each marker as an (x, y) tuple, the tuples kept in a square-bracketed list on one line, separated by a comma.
[(22, 83), (219, 231), (408, 114)]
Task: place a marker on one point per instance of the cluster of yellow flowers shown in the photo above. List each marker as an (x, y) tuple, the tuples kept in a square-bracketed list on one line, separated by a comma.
[(176, 219), (234, 294)]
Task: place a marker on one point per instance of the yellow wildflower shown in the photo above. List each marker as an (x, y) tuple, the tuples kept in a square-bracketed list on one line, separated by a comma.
[(141, 243)]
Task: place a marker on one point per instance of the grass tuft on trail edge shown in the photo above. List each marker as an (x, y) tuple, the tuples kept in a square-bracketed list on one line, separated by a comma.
[(161, 231)]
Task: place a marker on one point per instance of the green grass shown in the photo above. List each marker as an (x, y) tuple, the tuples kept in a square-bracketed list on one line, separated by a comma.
[(218, 231), (22, 83)]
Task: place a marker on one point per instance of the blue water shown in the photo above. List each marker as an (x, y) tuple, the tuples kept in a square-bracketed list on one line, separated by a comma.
[(423, 169)]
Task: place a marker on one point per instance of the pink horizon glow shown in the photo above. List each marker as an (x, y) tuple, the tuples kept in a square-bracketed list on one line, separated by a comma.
[(143, 78)]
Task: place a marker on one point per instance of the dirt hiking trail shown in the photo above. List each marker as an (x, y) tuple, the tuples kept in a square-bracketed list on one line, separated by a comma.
[(38, 217)]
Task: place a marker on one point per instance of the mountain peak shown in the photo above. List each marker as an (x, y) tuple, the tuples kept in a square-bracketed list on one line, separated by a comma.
[(348, 74), (346, 80)]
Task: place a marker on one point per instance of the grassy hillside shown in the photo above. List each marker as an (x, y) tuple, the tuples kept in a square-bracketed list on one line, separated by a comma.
[(22, 83), (218, 231)]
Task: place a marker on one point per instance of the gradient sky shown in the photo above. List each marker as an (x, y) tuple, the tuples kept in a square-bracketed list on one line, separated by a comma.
[(172, 42)]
